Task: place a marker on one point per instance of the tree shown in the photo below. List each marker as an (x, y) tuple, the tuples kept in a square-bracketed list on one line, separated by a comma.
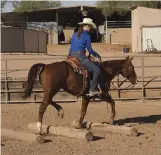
[(151, 4), (122, 7), (26, 6), (108, 7), (3, 3)]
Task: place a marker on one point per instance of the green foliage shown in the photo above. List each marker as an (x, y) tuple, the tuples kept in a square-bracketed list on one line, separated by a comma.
[(151, 4), (122, 7), (107, 7), (26, 6)]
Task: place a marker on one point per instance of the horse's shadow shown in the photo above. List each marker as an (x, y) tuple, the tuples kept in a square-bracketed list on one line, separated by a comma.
[(140, 120)]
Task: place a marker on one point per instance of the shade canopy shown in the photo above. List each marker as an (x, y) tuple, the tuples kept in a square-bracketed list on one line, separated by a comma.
[(65, 16)]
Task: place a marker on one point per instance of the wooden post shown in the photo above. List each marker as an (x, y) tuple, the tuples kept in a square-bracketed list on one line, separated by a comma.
[(109, 128), (22, 136), (63, 131)]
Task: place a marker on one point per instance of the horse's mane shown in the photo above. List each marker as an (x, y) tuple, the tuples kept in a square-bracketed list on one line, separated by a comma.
[(114, 63)]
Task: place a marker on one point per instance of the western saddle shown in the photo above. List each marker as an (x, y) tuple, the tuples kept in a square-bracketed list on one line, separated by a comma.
[(79, 69), (77, 66), (82, 70)]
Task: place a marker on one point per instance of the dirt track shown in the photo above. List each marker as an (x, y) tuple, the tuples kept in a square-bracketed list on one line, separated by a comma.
[(17, 117)]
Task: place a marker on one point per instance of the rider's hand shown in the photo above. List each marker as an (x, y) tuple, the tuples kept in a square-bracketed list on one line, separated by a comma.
[(98, 60)]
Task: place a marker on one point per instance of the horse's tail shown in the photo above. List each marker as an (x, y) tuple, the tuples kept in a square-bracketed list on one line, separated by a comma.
[(33, 72)]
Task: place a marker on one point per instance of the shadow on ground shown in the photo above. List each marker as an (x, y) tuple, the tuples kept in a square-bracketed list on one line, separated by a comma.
[(141, 120)]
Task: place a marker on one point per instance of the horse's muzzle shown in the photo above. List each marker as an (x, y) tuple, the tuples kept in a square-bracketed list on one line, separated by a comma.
[(135, 82)]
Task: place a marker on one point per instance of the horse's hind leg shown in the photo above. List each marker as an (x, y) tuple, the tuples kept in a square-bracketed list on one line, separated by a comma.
[(109, 100), (85, 102), (46, 101), (58, 108)]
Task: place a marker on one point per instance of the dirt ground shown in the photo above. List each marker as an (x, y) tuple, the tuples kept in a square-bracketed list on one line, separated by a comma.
[(146, 117)]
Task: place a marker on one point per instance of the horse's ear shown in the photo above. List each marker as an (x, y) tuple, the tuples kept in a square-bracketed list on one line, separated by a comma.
[(127, 58), (131, 59)]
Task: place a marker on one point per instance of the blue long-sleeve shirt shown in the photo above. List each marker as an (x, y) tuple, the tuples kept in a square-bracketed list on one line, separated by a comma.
[(80, 44)]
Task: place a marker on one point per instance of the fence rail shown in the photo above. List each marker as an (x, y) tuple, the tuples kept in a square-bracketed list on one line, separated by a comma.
[(117, 81), (118, 24)]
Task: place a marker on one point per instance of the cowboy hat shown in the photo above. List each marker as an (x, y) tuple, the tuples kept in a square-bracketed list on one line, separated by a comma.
[(88, 21)]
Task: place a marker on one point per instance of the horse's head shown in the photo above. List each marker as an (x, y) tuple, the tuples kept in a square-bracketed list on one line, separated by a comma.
[(128, 71)]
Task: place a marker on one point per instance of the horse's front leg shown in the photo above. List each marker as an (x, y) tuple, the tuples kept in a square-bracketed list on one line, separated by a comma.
[(107, 98), (84, 107)]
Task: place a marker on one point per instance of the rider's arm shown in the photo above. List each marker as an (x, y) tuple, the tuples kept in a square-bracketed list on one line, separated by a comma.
[(89, 47)]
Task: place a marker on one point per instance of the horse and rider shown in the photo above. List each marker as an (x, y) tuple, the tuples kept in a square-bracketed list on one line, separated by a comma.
[(79, 42), (62, 75)]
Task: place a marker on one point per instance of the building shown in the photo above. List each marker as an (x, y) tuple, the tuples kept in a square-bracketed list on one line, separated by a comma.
[(67, 18), (146, 29)]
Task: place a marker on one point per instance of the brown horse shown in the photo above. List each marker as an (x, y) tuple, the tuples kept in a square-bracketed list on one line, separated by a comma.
[(60, 75)]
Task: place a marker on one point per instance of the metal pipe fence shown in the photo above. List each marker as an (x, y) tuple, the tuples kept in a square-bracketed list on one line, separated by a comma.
[(7, 91)]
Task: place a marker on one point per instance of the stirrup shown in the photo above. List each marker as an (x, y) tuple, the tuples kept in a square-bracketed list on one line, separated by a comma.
[(91, 94)]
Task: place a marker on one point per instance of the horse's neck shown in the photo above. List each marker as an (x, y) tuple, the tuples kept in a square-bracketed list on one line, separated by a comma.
[(114, 73), (113, 68)]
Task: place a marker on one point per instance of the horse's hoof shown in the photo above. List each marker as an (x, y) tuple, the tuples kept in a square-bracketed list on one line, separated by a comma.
[(61, 114), (77, 125), (110, 121)]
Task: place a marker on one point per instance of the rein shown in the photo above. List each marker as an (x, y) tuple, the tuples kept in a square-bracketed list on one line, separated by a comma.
[(128, 87)]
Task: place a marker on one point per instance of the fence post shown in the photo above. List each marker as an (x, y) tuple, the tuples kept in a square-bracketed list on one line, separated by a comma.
[(38, 42), (118, 87), (6, 83), (106, 30), (23, 30), (142, 67)]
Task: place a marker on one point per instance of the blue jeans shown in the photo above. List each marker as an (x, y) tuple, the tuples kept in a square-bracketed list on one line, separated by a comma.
[(92, 67)]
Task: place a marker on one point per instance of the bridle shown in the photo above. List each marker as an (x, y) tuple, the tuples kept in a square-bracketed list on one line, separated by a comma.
[(128, 87), (119, 72)]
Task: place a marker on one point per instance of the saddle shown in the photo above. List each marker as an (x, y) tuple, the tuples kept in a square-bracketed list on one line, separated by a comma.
[(77, 66), (79, 69), (82, 70)]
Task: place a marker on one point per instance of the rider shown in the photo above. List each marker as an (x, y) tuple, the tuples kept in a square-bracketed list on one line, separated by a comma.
[(79, 42)]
